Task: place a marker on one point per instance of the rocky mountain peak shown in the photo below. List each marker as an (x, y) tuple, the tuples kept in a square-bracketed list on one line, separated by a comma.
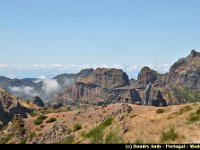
[(85, 73), (186, 71), (194, 53), (107, 78), (146, 76)]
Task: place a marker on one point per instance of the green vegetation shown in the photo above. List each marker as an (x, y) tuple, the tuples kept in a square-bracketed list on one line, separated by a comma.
[(183, 110), (32, 135), (112, 138), (68, 140), (139, 141), (97, 134), (45, 111), (51, 120), (193, 117), (42, 117), (24, 140), (169, 135), (184, 94), (107, 122), (5, 139), (33, 114), (77, 127), (38, 122), (180, 112)]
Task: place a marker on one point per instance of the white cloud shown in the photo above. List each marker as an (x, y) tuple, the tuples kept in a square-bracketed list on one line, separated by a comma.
[(50, 86), (133, 67), (3, 66), (73, 68), (157, 67), (118, 66), (160, 67), (27, 90)]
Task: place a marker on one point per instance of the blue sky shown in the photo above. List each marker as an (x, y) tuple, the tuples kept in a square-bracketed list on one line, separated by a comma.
[(48, 37)]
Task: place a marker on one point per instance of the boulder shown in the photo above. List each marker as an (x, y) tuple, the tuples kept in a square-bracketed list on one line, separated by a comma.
[(125, 108)]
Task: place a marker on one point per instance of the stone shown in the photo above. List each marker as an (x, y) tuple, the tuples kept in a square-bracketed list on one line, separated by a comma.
[(55, 134)]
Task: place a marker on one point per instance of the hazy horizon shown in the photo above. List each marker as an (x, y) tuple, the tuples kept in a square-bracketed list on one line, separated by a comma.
[(51, 37)]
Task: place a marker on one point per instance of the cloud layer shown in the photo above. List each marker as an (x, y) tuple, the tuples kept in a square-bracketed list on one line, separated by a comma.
[(50, 86), (27, 90), (163, 67), (48, 89)]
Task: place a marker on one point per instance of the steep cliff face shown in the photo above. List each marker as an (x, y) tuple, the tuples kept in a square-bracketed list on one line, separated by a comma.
[(149, 76), (178, 86), (107, 78), (186, 72), (149, 82), (103, 85), (11, 105)]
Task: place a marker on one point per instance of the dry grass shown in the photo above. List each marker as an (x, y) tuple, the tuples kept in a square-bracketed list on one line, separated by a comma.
[(145, 124)]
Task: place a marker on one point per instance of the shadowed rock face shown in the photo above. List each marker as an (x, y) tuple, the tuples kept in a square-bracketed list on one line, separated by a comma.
[(159, 101), (38, 101)]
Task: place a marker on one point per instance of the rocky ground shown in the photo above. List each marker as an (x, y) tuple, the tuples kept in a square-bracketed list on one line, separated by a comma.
[(115, 123)]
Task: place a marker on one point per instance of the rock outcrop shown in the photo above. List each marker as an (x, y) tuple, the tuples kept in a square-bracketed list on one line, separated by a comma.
[(159, 100), (15, 128), (146, 76), (56, 134), (38, 101), (186, 72), (103, 85), (10, 106), (106, 78)]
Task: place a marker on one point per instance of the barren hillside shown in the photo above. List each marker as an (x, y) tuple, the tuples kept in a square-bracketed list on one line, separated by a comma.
[(115, 123)]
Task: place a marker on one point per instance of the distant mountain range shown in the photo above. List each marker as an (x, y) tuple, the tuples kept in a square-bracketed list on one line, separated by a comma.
[(45, 88), (103, 85)]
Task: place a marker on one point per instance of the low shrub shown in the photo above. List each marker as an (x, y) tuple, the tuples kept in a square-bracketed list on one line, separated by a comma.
[(51, 120), (169, 135), (77, 127)]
